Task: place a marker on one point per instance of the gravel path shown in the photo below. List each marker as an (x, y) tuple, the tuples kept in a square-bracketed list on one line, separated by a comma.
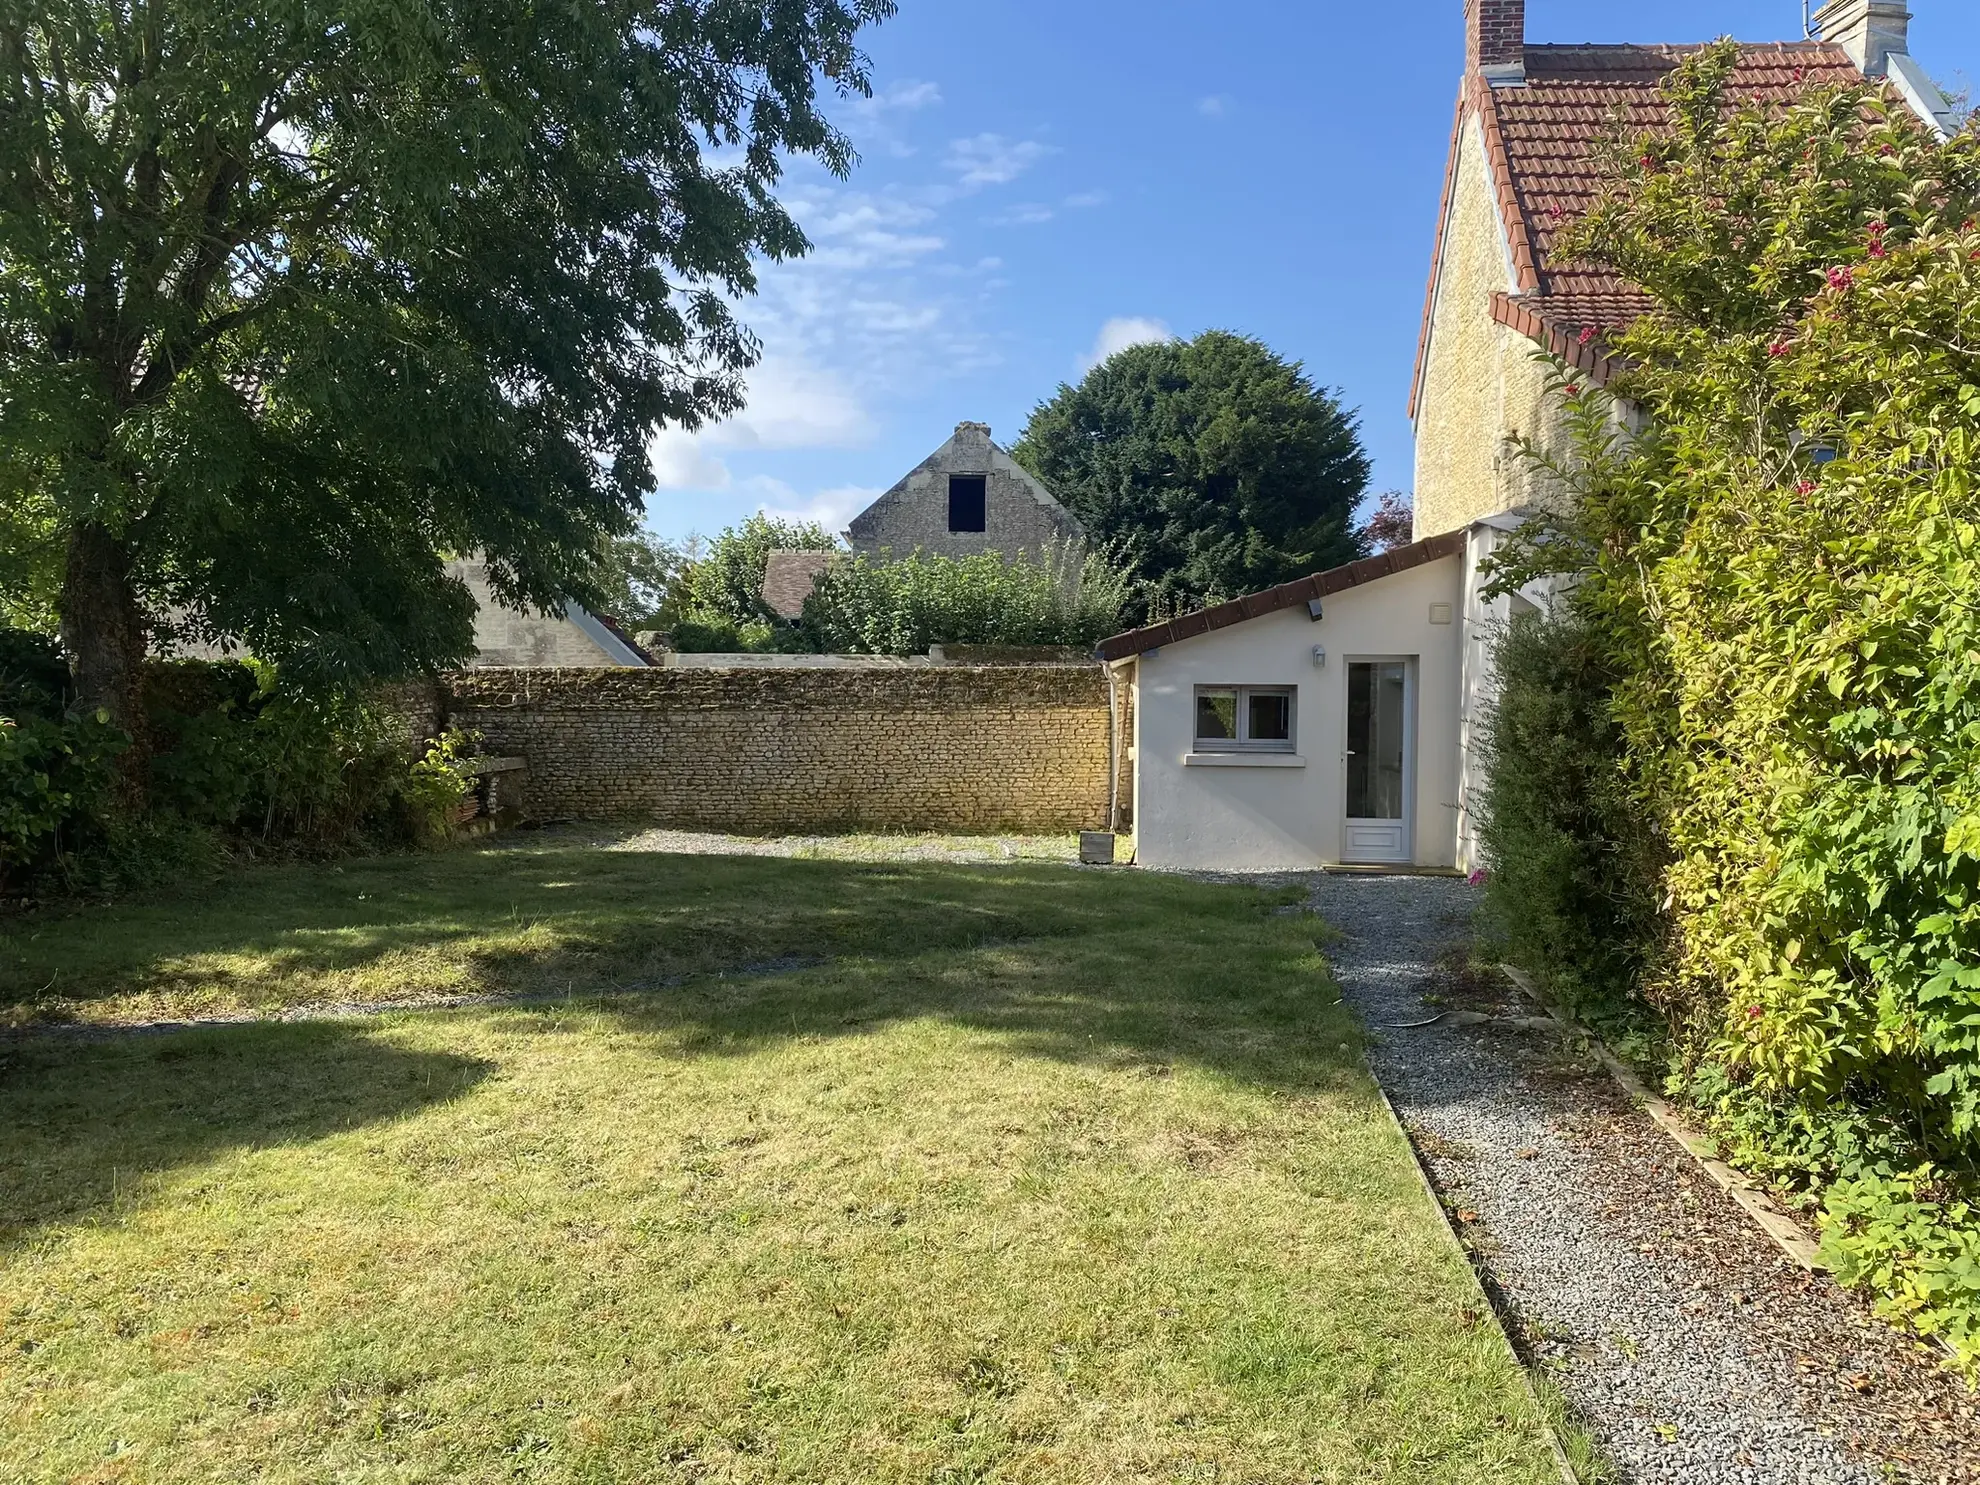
[(1687, 1345)]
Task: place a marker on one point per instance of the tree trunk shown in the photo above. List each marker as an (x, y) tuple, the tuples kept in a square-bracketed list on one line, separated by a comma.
[(103, 630)]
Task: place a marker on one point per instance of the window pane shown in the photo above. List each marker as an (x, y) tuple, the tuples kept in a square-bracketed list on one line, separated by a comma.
[(1216, 716), (1270, 717), (1375, 741)]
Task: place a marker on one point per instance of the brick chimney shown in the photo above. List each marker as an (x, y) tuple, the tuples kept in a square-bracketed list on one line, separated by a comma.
[(1869, 30), (1495, 39)]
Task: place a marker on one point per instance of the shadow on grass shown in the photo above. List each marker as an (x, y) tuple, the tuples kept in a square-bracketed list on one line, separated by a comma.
[(85, 1125), (520, 922), (1131, 973)]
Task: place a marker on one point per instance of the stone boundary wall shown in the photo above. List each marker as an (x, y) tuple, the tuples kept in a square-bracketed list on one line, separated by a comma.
[(960, 748)]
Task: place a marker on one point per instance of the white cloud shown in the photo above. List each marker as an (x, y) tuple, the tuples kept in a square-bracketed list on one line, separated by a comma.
[(1085, 199), (792, 405), (1121, 332), (1025, 214), (833, 509), (993, 160), (1215, 106), (905, 96)]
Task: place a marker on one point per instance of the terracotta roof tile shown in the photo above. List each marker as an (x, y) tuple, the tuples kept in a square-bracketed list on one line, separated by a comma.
[(1576, 94), (1539, 141)]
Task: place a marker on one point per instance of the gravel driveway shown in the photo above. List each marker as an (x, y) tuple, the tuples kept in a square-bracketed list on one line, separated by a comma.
[(1689, 1347)]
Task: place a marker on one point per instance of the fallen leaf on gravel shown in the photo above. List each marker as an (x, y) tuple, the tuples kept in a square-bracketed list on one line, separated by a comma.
[(1465, 1214), (1527, 1154)]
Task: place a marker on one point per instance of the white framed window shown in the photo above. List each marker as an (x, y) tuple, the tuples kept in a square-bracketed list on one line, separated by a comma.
[(1246, 719)]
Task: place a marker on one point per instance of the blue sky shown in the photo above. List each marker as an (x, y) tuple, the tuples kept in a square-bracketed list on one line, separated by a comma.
[(1042, 182)]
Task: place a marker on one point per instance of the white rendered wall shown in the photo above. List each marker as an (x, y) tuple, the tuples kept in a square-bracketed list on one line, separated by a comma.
[(1265, 817)]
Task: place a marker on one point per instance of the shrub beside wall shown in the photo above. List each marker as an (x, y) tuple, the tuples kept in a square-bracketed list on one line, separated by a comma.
[(1573, 890), (239, 761)]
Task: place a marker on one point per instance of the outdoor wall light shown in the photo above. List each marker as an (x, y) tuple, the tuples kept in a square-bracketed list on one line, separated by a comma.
[(1320, 656), (1313, 610)]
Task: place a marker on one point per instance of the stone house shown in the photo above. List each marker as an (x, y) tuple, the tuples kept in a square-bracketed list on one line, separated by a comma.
[(577, 639), (1337, 719), (967, 497)]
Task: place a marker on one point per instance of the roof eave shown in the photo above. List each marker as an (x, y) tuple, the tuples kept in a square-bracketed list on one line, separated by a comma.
[(1266, 601)]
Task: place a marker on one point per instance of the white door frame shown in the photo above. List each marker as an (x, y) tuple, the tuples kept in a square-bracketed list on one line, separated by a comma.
[(1379, 843)]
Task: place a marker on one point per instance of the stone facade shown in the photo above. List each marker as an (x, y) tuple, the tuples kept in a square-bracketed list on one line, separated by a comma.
[(1483, 387), (1019, 513), (1019, 748)]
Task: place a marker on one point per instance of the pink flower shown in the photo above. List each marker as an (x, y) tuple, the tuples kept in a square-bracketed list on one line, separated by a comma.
[(1806, 487), (1877, 250), (1648, 162), (1877, 229), (1754, 1013), (1477, 878), (1841, 279), (1778, 348), (1587, 334)]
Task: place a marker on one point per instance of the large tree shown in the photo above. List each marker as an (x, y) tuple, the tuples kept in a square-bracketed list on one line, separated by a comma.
[(299, 296), (1213, 466)]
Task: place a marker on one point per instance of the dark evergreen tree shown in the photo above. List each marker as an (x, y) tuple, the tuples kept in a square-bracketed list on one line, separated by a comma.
[(1212, 467)]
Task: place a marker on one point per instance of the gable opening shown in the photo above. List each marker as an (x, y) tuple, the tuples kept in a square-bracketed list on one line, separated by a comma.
[(967, 502)]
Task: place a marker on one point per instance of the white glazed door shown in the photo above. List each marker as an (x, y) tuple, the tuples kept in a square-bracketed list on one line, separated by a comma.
[(1377, 763)]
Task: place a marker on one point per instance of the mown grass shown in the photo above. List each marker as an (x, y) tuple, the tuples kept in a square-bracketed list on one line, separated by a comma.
[(1045, 1176)]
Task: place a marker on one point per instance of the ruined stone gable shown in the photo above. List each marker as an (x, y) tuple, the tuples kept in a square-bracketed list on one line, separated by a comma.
[(969, 496)]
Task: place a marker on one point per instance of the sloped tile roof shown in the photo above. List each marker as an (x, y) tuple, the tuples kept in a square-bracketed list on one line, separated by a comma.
[(1295, 594), (789, 577), (1540, 140)]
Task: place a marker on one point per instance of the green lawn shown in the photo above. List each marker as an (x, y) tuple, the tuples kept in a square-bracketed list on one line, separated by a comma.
[(1029, 1175)]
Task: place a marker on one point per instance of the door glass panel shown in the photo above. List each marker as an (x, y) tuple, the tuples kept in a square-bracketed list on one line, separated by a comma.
[(1271, 717), (1375, 740), (1216, 716)]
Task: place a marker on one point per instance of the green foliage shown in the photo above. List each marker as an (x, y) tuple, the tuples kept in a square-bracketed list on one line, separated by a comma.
[(1909, 1239), (723, 586), (1572, 889), (1212, 466), (636, 574), (294, 299), (439, 781), (864, 606), (1779, 584), (244, 758), (54, 779)]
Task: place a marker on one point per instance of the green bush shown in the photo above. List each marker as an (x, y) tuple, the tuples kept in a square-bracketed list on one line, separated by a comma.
[(1778, 579), (241, 759), (874, 606), (439, 783), (1572, 889)]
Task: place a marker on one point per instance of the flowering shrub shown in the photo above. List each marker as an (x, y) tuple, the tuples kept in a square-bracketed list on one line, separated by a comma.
[(1779, 580)]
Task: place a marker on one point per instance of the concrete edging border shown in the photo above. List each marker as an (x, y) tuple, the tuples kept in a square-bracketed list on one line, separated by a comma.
[(1561, 1461), (1768, 1214)]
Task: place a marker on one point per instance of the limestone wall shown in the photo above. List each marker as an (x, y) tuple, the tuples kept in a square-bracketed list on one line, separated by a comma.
[(1482, 387), (767, 751)]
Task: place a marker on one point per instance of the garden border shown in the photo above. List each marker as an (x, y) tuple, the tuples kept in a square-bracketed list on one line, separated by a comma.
[(1771, 1217)]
